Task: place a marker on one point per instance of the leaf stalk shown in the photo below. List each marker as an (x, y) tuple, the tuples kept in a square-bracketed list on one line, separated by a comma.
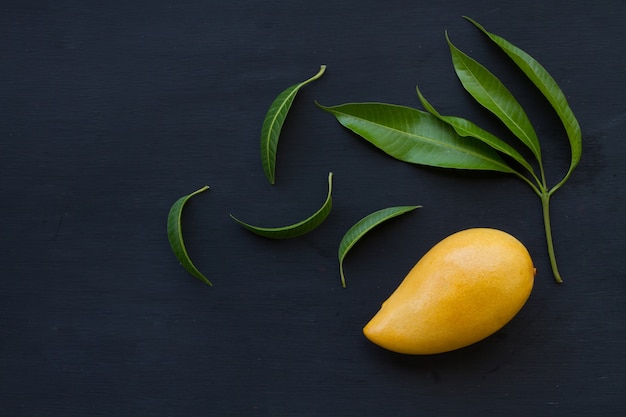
[(545, 205)]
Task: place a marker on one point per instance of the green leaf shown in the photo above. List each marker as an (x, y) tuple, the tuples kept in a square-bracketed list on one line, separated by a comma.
[(175, 236), (273, 123), (367, 223), (548, 87), (299, 228), (414, 136), (465, 128), (489, 91)]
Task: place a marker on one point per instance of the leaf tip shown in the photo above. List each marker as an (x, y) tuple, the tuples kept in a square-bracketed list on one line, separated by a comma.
[(269, 168), (472, 21)]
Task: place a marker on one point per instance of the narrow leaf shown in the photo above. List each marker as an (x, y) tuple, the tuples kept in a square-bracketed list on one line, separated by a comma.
[(367, 223), (273, 123), (548, 87), (466, 128), (297, 229), (175, 236), (415, 136), (489, 91)]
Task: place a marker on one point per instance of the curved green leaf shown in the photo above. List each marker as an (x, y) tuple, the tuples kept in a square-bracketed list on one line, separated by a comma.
[(299, 228), (175, 235), (548, 87), (273, 123), (489, 91), (465, 128), (414, 136), (367, 223)]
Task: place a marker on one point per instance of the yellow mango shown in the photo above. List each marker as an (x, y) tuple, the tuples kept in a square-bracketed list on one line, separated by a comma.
[(467, 287)]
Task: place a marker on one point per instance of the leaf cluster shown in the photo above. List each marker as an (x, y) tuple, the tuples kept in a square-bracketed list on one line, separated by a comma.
[(270, 135)]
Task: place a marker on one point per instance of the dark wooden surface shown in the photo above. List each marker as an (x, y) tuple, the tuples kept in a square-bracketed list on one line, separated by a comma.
[(110, 111)]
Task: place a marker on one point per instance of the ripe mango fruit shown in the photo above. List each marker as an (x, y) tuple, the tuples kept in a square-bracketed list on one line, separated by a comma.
[(467, 287)]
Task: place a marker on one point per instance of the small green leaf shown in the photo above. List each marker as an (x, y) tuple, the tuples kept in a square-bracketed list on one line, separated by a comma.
[(367, 223), (415, 136), (175, 236), (489, 91), (273, 123), (466, 128), (548, 87), (297, 229)]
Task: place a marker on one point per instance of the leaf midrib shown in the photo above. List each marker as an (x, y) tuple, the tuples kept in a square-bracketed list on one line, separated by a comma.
[(433, 141), (286, 103), (502, 111)]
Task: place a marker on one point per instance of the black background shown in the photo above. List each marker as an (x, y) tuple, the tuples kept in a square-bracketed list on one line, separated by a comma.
[(110, 111)]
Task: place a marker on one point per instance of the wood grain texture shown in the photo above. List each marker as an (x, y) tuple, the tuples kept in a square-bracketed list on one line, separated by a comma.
[(112, 110)]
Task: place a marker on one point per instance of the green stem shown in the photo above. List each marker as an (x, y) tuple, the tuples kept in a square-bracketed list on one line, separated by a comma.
[(529, 182), (545, 204), (544, 184)]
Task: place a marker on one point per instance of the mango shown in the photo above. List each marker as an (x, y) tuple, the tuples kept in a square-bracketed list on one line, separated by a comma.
[(464, 289)]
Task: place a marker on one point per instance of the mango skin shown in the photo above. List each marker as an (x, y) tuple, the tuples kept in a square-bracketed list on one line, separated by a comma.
[(467, 287)]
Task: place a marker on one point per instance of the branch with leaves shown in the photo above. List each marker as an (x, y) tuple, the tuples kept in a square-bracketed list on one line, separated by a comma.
[(429, 138)]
